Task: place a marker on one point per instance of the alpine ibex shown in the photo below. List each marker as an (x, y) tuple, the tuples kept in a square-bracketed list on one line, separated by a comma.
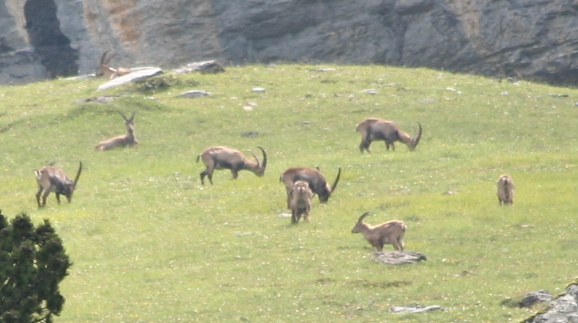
[(374, 129), (122, 140), (221, 157), (52, 179), (390, 232), (300, 204), (313, 177), (505, 190), (106, 70)]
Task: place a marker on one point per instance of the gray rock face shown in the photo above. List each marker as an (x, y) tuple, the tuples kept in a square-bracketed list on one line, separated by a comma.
[(533, 39), (563, 309)]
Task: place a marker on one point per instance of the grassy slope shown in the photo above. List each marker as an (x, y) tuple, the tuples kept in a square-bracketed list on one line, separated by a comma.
[(149, 244)]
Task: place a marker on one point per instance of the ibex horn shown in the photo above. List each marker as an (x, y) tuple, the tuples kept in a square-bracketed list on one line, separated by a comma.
[(416, 139), (264, 161), (336, 180), (78, 174), (363, 216)]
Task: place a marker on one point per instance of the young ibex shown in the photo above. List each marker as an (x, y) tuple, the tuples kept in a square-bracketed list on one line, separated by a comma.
[(300, 201), (221, 157), (106, 70), (390, 232), (374, 129), (313, 177), (122, 140), (505, 190), (52, 179)]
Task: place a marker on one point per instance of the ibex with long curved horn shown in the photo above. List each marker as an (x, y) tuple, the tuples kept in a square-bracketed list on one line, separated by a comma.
[(374, 129), (390, 232), (122, 140), (106, 70), (221, 157), (52, 179), (505, 190), (313, 177)]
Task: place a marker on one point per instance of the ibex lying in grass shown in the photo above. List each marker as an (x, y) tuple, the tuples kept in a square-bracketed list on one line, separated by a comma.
[(373, 129), (311, 176), (505, 190), (390, 232), (106, 70), (221, 157), (300, 204), (122, 140), (52, 179)]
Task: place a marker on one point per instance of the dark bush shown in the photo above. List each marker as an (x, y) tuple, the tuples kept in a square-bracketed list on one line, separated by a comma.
[(32, 264)]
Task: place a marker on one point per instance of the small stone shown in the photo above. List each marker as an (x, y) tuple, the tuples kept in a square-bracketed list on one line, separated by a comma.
[(194, 94)]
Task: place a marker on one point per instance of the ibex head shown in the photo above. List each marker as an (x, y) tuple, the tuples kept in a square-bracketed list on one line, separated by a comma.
[(261, 165), (360, 226), (128, 121), (324, 195)]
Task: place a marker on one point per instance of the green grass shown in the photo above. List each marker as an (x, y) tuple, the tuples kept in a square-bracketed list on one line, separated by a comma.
[(150, 244)]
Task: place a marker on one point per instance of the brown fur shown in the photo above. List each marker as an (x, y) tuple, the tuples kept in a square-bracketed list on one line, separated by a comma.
[(390, 232), (221, 157), (374, 129), (313, 177), (108, 71), (122, 140), (52, 179), (505, 190), (300, 201)]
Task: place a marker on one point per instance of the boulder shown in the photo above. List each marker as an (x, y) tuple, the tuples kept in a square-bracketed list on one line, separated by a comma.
[(202, 67), (399, 257), (563, 309), (540, 296), (136, 75)]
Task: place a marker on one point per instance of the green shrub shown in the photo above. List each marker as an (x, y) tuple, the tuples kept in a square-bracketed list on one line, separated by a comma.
[(32, 264)]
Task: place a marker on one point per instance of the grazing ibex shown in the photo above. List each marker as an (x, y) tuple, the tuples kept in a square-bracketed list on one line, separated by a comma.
[(106, 70), (52, 179), (505, 190), (374, 129), (122, 140), (300, 201), (221, 157), (390, 232), (313, 177)]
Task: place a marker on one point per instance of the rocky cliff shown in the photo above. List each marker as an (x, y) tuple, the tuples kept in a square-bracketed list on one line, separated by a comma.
[(532, 39)]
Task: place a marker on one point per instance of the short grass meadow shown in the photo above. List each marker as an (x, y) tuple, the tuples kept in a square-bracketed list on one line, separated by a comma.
[(149, 243)]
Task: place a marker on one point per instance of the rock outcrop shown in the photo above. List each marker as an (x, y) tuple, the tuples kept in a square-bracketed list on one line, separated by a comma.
[(532, 39), (563, 308)]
